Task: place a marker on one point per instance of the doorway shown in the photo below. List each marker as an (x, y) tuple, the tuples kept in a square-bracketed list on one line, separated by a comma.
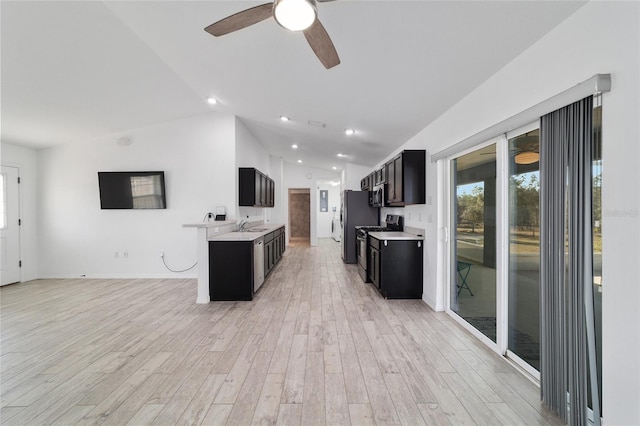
[(300, 216), (9, 226)]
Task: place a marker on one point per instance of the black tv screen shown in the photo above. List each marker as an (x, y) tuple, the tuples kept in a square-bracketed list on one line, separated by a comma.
[(132, 190)]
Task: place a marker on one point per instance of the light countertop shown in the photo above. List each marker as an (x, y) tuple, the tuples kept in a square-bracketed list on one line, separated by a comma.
[(247, 235), (395, 236), (211, 224)]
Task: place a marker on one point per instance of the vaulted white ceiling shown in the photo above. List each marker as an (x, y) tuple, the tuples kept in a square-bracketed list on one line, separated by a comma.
[(76, 71)]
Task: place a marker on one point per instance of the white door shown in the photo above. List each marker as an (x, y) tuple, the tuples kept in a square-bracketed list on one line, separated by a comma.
[(9, 226)]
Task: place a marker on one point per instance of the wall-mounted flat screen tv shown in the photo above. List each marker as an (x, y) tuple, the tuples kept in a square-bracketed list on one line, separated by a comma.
[(132, 190)]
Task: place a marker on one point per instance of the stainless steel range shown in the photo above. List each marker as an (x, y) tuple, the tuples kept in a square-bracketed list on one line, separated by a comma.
[(393, 222)]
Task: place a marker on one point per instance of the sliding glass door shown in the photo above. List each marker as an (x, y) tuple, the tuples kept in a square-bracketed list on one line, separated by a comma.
[(523, 325), (495, 243), (473, 289), (495, 222)]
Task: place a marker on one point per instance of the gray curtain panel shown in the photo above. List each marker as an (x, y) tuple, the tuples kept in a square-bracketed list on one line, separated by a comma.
[(567, 353)]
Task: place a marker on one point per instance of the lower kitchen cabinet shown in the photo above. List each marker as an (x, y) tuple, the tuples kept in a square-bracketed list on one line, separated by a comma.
[(396, 267), (274, 247), (232, 265), (231, 270)]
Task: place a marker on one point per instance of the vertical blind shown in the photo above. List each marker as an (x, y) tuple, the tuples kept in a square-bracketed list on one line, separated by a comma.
[(567, 354)]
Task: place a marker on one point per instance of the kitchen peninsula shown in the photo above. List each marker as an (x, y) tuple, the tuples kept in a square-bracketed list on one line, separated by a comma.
[(229, 265)]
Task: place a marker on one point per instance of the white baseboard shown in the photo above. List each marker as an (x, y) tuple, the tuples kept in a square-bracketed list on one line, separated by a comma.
[(432, 304), (115, 276)]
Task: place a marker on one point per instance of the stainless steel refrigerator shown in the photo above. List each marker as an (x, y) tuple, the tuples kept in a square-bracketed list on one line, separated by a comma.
[(355, 210)]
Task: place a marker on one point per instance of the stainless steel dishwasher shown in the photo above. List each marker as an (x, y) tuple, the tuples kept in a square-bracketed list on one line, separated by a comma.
[(258, 263)]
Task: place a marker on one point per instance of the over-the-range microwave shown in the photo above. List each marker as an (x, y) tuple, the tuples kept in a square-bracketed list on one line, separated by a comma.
[(377, 196)]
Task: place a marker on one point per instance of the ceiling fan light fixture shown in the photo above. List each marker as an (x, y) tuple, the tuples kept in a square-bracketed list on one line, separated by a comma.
[(295, 15), (527, 157)]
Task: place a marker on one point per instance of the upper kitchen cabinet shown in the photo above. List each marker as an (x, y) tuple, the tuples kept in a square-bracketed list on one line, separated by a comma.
[(366, 183), (380, 175), (255, 189), (406, 178)]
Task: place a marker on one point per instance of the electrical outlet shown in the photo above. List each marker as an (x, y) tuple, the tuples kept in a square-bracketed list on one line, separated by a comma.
[(216, 229), (125, 254), (116, 254)]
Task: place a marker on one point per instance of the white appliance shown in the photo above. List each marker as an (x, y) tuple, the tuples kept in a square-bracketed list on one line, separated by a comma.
[(335, 229)]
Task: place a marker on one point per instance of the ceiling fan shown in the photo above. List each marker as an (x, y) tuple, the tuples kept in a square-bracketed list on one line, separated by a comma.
[(294, 15), (526, 149)]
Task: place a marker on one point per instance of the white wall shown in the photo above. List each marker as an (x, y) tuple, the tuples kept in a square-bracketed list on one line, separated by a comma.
[(324, 218), (249, 153), (601, 37), (25, 159), (301, 176), (351, 176), (77, 238)]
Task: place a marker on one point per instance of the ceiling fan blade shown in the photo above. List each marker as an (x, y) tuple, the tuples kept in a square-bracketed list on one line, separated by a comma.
[(322, 45), (241, 20)]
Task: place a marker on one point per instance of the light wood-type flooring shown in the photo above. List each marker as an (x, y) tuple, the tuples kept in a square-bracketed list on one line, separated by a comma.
[(316, 346)]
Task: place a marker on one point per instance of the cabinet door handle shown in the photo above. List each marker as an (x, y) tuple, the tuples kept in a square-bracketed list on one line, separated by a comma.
[(385, 243), (419, 244)]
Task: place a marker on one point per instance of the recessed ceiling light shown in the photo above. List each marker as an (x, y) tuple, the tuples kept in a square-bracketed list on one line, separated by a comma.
[(299, 161), (349, 132), (334, 168), (212, 101), (341, 155), (294, 146), (284, 118)]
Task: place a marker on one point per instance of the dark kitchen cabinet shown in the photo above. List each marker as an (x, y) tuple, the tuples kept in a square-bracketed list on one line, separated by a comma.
[(231, 265), (381, 175), (396, 267), (374, 265), (231, 270), (255, 189), (274, 247), (406, 178), (270, 190), (366, 183)]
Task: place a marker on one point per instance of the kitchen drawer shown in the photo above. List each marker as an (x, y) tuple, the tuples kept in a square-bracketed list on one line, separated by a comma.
[(269, 237)]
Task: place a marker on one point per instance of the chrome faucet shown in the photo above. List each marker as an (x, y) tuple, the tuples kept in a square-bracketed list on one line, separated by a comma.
[(242, 224)]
